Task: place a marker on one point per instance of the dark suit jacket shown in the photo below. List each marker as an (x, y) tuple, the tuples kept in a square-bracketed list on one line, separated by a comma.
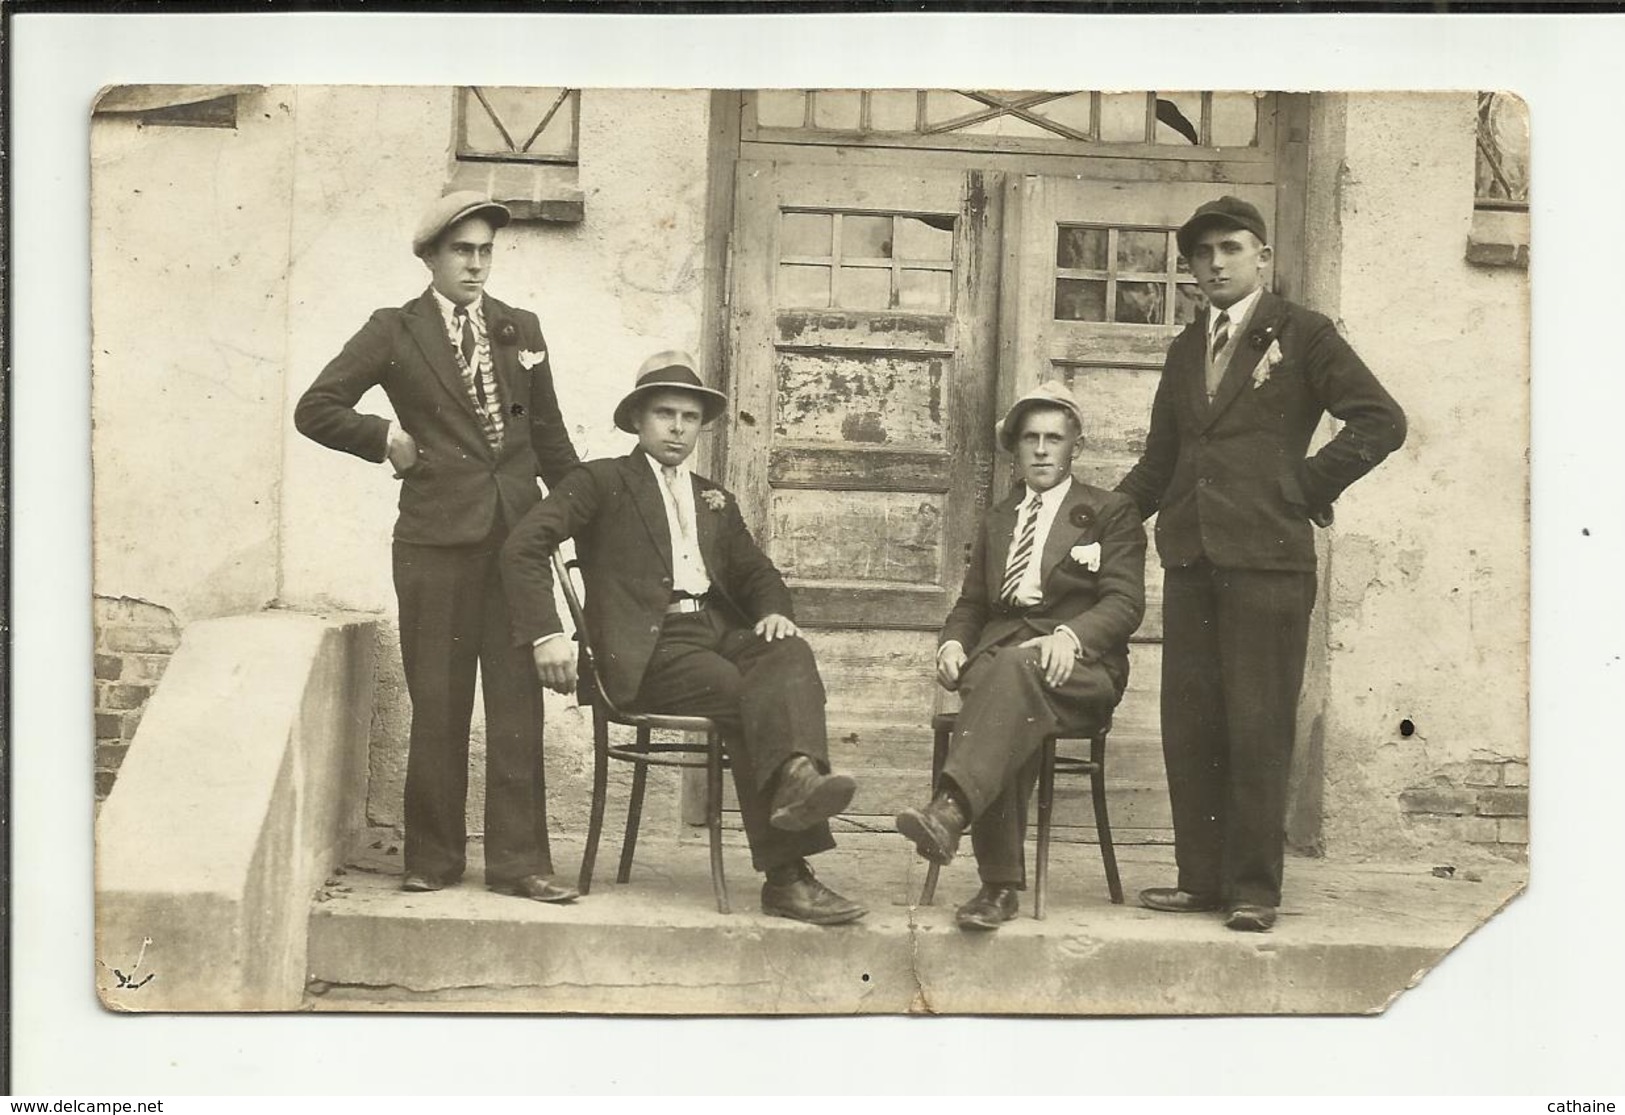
[(612, 508), (1230, 477), (1102, 608), (450, 497)]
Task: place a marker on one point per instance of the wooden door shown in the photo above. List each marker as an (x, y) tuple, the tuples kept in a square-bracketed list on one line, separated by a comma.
[(864, 305), (1095, 293)]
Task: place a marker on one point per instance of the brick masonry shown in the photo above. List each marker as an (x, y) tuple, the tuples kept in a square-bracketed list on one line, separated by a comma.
[(134, 641), (1480, 803)]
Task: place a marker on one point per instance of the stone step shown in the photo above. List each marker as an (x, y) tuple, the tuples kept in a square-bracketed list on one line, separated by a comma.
[(1351, 938)]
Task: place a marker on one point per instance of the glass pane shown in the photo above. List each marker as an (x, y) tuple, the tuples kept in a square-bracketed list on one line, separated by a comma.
[(941, 105), (893, 110), (836, 108), (1187, 303), (1080, 248), (917, 239), (1179, 118), (865, 237), (520, 108), (1181, 264), (1122, 118), (805, 234), (1142, 250), (1073, 111), (1235, 119), (1080, 300), (781, 108), (1503, 148), (803, 286), (925, 290), (865, 288), (1139, 303)]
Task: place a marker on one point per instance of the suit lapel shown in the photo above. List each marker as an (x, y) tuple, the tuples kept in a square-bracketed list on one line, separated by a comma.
[(1189, 359), (705, 529), (428, 329), (504, 357), (1245, 355), (1063, 532), (641, 482), (1001, 529)]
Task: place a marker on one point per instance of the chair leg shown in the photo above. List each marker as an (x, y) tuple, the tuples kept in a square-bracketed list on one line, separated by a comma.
[(1046, 805), (1103, 826), (713, 816), (939, 759), (600, 785), (634, 812)]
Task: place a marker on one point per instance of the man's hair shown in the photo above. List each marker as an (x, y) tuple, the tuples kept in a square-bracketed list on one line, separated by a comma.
[(1036, 408)]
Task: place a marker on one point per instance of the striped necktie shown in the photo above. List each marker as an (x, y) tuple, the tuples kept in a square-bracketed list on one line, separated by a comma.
[(1021, 553), (1215, 357)]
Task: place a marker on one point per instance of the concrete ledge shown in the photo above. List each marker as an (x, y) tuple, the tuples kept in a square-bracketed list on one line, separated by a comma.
[(243, 787), (1351, 939)]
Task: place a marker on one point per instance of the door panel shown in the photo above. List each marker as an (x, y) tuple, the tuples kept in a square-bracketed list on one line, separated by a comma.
[(864, 309)]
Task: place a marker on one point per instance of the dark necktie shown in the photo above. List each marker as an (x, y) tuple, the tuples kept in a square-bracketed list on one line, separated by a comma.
[(467, 347), (1221, 337)]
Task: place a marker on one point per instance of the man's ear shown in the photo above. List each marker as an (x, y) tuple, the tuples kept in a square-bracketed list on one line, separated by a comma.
[(1266, 254)]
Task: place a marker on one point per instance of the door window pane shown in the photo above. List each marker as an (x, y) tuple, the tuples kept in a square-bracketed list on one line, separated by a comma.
[(917, 240), (1235, 120), (1139, 303), (836, 109), (1187, 303), (865, 288), (1080, 299), (925, 290), (864, 237), (893, 110), (805, 234), (803, 286), (1080, 249), (1142, 250), (781, 108), (1179, 118), (1122, 118)]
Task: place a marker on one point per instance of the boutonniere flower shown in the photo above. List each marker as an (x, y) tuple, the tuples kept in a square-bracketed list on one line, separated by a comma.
[(505, 333), (715, 498), (1081, 517), (1087, 556), (1266, 364), (529, 359)]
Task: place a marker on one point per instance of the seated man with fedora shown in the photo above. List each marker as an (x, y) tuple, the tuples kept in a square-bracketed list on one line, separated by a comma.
[(689, 617), (1037, 644)]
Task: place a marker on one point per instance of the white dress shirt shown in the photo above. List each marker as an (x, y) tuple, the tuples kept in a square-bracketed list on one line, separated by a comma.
[(1238, 313), (687, 566)]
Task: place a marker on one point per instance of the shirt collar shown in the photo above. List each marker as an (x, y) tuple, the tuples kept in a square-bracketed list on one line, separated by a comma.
[(1237, 312), (660, 469), (1051, 498), (448, 308)]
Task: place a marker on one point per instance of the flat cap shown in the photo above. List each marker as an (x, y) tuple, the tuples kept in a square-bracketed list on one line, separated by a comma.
[(1050, 393), (1226, 212), (454, 207)]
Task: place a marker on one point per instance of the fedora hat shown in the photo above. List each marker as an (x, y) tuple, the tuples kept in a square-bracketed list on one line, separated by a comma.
[(670, 370), (1225, 212), (1050, 393), (454, 207)]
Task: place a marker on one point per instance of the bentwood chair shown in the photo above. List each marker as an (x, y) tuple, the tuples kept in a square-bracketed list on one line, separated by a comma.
[(642, 753), (1052, 763)]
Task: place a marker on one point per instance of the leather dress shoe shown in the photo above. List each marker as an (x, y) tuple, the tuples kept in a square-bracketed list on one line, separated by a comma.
[(994, 904), (1249, 918), (805, 797), (536, 888), (804, 898), (419, 883), (935, 830), (1172, 900)]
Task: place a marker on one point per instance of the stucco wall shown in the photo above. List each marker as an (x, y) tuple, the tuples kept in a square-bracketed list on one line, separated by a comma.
[(1426, 588), (189, 243)]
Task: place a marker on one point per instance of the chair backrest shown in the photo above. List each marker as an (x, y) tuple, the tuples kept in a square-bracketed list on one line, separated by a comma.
[(565, 572)]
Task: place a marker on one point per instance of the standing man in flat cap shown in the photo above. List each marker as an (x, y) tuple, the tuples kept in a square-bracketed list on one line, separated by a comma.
[(688, 616), (1226, 464), (476, 421), (1038, 643)]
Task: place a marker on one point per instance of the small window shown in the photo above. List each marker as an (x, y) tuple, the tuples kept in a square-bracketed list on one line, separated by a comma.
[(1502, 179), (866, 261), (520, 145), (1124, 274)]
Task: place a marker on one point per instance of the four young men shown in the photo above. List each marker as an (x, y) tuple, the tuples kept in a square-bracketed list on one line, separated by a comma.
[(689, 616)]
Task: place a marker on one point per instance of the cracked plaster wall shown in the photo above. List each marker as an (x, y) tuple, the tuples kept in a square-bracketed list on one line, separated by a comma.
[(1426, 586)]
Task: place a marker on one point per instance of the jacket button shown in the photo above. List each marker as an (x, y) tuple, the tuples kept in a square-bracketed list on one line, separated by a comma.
[(1203, 482), (665, 582), (655, 629)]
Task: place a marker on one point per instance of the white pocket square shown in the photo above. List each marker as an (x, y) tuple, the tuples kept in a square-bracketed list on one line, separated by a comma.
[(529, 359), (1088, 556)]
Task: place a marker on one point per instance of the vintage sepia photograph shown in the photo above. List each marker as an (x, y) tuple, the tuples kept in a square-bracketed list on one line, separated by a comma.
[(782, 551)]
